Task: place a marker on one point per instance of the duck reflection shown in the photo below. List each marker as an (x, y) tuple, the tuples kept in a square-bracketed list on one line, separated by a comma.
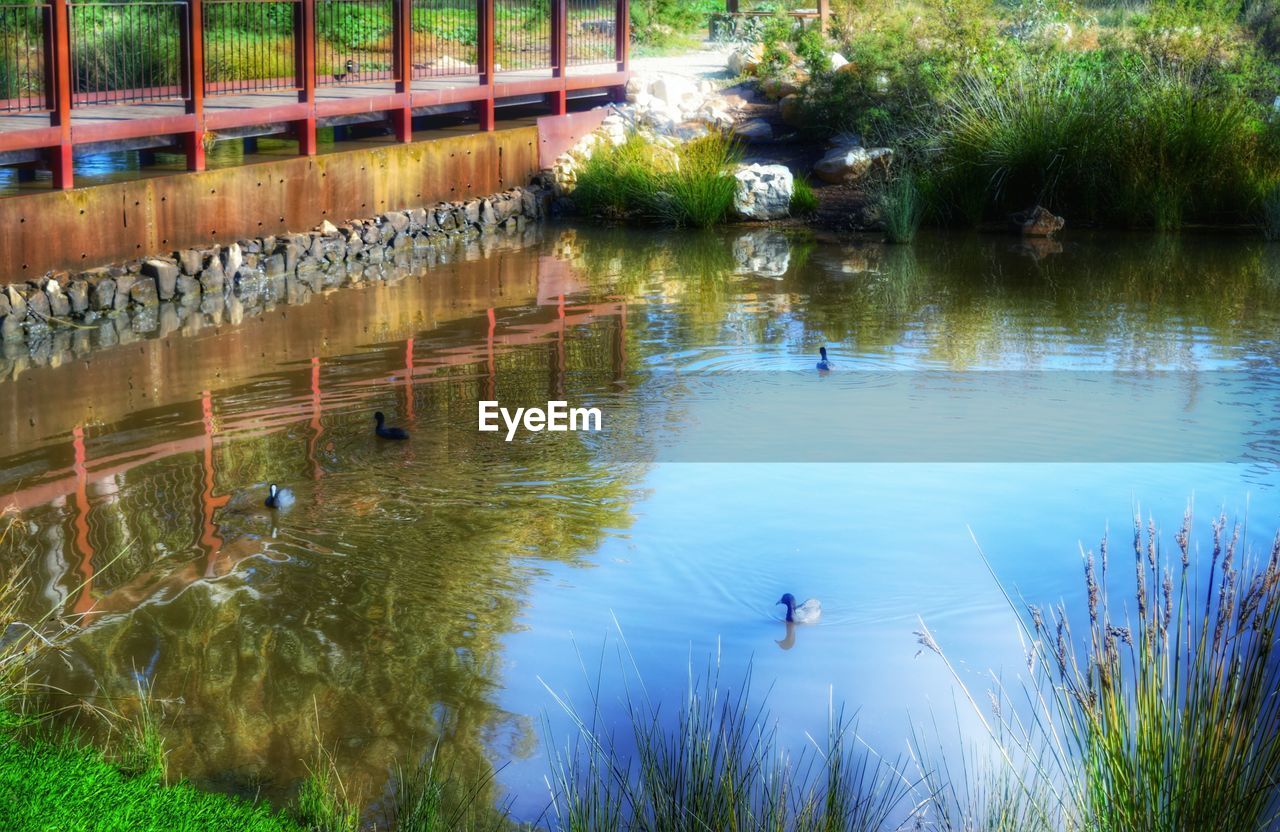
[(790, 640)]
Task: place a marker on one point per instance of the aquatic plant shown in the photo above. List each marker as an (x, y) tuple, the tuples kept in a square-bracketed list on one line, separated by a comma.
[(1159, 716), (718, 765), (901, 207)]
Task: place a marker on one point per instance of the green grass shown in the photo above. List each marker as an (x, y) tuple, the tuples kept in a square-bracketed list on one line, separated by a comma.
[(689, 185), (803, 200), (901, 207), (61, 786)]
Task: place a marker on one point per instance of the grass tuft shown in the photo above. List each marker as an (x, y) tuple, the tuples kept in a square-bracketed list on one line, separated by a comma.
[(804, 201), (688, 185), (901, 207)]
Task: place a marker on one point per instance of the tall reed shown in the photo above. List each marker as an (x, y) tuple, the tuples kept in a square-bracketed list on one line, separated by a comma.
[(718, 764), (1157, 709)]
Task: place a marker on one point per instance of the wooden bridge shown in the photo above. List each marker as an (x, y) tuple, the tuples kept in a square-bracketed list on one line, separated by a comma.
[(86, 77)]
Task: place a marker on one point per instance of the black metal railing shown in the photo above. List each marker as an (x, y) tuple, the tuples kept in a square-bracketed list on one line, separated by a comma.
[(354, 41), (249, 46), (522, 35), (591, 31), (127, 52), (444, 38), (23, 33)]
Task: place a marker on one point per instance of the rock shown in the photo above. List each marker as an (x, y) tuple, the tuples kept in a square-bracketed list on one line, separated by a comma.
[(59, 306), (790, 110), (1037, 222), (124, 283), (754, 130), (673, 89), (11, 328), (188, 290), (232, 259), (104, 294), (763, 192), (165, 275), (212, 280), (471, 210), (78, 295), (398, 220), (762, 253), (776, 88), (745, 60), (328, 229), (37, 305), (846, 165), (190, 261), (838, 61), (487, 215), (4, 305), (143, 292), (274, 265)]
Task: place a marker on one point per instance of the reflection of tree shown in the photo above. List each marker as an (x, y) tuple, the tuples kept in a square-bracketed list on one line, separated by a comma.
[(380, 601)]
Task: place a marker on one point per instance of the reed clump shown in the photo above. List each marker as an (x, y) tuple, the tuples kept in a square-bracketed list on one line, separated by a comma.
[(1155, 708), (717, 765), (686, 185)]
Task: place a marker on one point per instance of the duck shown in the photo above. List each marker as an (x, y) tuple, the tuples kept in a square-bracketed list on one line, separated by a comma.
[(385, 432), (279, 497), (807, 613), (824, 364)]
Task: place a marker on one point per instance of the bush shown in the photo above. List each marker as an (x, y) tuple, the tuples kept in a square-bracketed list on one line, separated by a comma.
[(689, 185), (1102, 140)]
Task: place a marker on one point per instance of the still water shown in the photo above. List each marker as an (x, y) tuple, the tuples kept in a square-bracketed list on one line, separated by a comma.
[(439, 590)]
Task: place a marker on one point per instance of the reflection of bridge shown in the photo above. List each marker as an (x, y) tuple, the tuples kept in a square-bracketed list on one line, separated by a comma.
[(495, 332)]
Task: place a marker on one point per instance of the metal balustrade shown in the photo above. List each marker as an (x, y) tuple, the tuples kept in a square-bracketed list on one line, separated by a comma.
[(94, 71)]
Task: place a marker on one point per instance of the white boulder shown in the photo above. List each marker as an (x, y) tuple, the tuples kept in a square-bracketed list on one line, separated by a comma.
[(847, 165), (763, 192)]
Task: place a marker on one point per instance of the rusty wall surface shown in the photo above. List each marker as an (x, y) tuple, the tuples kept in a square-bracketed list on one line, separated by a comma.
[(102, 224)]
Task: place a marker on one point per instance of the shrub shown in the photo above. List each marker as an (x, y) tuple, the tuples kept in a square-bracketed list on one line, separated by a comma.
[(685, 186)]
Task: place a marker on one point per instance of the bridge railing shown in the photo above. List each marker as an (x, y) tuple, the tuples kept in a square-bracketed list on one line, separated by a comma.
[(72, 58), (24, 30), (251, 46)]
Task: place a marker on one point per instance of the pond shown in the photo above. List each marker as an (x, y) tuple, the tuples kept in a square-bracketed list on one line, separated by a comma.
[(436, 593)]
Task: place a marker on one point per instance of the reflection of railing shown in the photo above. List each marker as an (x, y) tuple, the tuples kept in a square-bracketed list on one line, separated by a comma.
[(127, 52), (23, 30), (174, 487)]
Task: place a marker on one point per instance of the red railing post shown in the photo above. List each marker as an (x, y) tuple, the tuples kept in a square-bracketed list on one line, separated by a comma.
[(402, 28), (304, 39), (559, 55), (622, 34), (60, 94), (485, 60), (193, 70)]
